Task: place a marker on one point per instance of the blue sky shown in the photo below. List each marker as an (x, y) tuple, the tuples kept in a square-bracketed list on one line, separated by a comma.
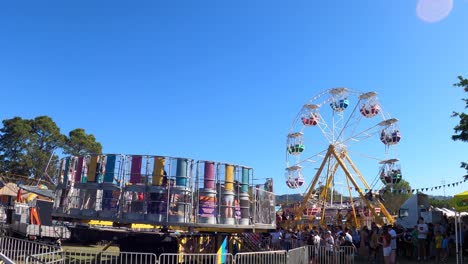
[(223, 80)]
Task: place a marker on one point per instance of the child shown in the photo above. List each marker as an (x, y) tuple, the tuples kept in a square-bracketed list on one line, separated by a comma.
[(444, 250), (438, 245)]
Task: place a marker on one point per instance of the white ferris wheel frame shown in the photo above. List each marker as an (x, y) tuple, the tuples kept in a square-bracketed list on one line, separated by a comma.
[(341, 131)]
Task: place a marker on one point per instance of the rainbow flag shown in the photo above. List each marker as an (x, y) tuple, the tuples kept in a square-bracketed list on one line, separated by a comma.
[(222, 250)]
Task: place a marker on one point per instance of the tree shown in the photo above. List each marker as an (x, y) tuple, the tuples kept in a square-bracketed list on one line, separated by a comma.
[(79, 143), (26, 146), (14, 140), (336, 194), (461, 130), (395, 195), (441, 203)]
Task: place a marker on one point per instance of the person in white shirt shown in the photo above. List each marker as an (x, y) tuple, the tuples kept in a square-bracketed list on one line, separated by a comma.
[(316, 241), (393, 244), (422, 236), (348, 236), (329, 241)]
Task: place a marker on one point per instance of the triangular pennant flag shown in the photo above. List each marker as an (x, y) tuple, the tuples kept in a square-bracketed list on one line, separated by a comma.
[(432, 188), (413, 190), (409, 191), (365, 190)]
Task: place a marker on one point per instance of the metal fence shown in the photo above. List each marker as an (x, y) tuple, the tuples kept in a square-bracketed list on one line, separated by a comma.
[(4, 259), (18, 249), (298, 255), (24, 251), (271, 257), (91, 257), (330, 255), (196, 258)]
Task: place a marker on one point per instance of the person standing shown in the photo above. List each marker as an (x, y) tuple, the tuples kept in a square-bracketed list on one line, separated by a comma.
[(422, 237), (414, 241), (438, 246), (373, 244), (364, 243), (329, 246), (393, 244), (445, 245), (387, 249)]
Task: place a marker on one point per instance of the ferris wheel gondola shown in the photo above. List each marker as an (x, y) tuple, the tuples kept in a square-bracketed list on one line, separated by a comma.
[(295, 179), (390, 171)]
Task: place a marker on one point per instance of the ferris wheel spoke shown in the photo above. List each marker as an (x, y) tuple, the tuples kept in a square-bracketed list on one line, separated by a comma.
[(312, 159), (347, 124), (326, 130)]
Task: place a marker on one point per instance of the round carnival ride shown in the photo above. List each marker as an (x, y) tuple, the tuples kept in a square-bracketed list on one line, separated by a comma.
[(160, 203), (329, 127)]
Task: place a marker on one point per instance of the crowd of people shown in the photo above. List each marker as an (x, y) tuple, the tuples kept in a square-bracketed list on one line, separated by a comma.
[(424, 242)]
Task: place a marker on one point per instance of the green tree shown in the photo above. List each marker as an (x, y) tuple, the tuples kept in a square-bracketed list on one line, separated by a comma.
[(79, 143), (395, 195), (336, 194), (14, 140), (441, 203), (461, 130), (27, 146)]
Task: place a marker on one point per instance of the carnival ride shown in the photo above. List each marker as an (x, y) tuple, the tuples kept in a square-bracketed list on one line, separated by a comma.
[(329, 127), (159, 198)]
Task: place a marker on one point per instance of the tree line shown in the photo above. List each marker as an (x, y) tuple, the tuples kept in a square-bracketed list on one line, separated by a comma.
[(30, 148)]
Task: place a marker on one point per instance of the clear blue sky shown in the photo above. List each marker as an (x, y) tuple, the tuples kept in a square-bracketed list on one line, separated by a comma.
[(223, 80)]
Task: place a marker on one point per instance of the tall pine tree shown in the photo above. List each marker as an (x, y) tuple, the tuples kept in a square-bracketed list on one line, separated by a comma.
[(461, 130)]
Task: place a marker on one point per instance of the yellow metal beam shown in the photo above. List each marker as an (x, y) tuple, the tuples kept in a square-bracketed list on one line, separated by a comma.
[(389, 217), (352, 203), (322, 212), (353, 181), (312, 186), (325, 190)]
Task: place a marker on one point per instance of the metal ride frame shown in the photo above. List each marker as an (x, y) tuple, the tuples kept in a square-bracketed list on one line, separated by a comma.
[(341, 159)]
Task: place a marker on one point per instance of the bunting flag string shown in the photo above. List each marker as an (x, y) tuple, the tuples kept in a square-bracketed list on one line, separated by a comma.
[(412, 190)]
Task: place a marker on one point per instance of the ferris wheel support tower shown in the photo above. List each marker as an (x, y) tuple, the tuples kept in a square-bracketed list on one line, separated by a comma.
[(341, 158)]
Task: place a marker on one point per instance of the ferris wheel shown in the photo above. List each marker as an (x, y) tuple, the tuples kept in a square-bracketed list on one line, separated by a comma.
[(332, 126)]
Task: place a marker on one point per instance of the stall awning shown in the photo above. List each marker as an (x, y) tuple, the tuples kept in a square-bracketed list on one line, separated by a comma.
[(461, 201)]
